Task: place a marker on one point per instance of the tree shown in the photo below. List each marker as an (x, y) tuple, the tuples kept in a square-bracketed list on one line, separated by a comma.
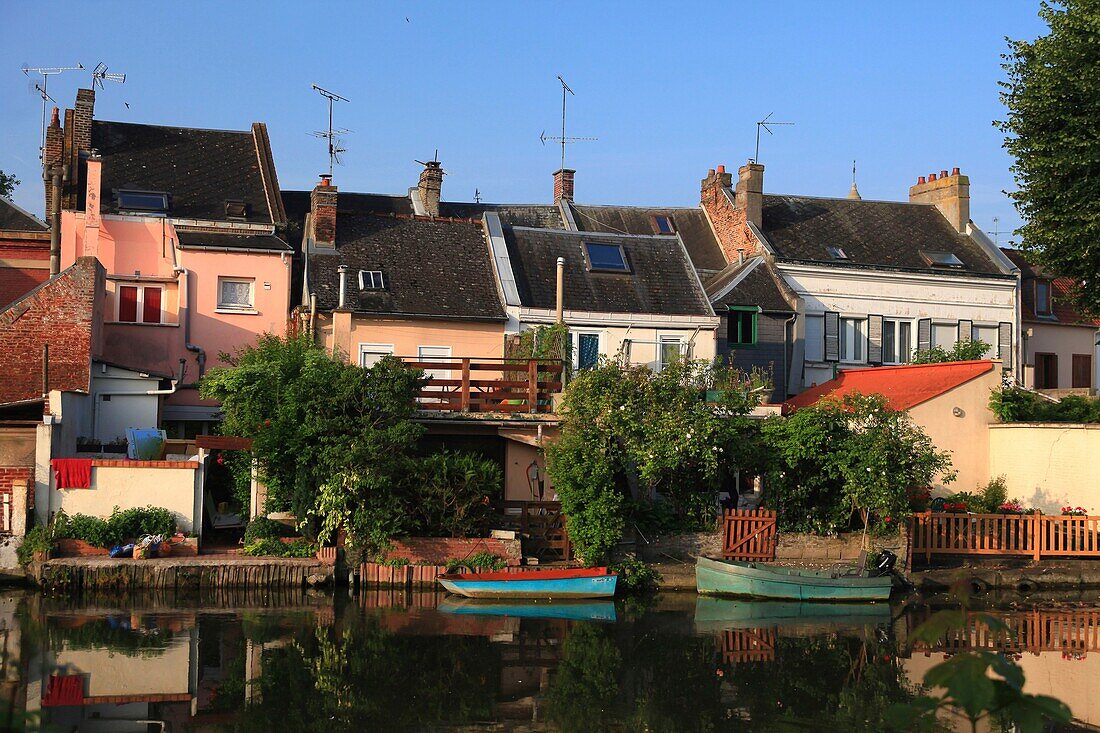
[(1053, 130), (963, 350), (8, 182)]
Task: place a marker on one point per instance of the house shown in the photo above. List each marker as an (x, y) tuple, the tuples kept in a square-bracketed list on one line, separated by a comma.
[(188, 224), (950, 401), (871, 281), (1059, 343), (24, 252)]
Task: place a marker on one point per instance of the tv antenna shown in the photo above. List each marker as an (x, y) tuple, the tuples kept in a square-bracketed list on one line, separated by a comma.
[(100, 74), (563, 140), (46, 72), (333, 134), (764, 123), (996, 230), (477, 196)]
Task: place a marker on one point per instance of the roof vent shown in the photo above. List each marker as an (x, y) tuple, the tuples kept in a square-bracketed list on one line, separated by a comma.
[(236, 209)]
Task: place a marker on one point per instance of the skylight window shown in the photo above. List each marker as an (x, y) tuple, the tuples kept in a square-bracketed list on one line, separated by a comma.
[(371, 280), (836, 253), (609, 257), (941, 259), (236, 209), (663, 224), (151, 201)]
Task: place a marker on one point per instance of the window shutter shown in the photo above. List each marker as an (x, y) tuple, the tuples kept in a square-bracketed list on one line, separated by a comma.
[(1004, 343), (151, 306), (127, 303), (966, 331), (874, 339), (924, 334), (832, 336)]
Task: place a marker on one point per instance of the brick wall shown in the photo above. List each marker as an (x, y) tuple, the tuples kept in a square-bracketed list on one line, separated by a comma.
[(734, 235), (63, 313), (323, 201), (10, 474), (438, 550)]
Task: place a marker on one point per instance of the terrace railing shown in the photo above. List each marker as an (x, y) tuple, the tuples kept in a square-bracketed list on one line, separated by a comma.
[(1024, 535), (1073, 631), (489, 385)]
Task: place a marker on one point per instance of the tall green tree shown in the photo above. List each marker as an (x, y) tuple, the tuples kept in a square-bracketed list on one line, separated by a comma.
[(8, 182), (1053, 129)]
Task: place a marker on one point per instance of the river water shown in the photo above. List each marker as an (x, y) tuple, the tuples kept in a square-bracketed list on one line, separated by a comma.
[(391, 660)]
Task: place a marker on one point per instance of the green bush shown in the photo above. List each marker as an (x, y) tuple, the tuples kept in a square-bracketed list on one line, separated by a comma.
[(124, 525), (635, 576), (450, 493), (38, 539), (479, 562), (262, 528), (1015, 404), (963, 350), (274, 548)]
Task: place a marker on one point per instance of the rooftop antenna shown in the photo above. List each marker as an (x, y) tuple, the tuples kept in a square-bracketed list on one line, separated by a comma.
[(332, 135), (563, 140), (477, 196), (764, 123), (46, 72), (996, 230), (100, 73)]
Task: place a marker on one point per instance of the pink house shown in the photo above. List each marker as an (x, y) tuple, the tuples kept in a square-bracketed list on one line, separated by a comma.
[(188, 225)]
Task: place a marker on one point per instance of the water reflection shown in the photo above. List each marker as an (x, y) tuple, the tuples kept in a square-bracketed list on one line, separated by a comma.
[(390, 660)]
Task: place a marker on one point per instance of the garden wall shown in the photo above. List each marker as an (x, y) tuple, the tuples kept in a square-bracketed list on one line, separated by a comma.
[(1048, 465), (792, 547), (438, 550)]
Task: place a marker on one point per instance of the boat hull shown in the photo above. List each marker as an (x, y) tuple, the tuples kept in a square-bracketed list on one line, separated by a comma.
[(751, 580), (566, 584)]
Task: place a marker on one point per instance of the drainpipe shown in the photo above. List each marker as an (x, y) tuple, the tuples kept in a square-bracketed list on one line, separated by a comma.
[(59, 174), (175, 382), (559, 308), (343, 270), (313, 315), (786, 345), (200, 354)]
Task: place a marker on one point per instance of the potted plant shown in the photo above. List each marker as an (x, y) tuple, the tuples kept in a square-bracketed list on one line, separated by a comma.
[(1011, 507), (1074, 511)]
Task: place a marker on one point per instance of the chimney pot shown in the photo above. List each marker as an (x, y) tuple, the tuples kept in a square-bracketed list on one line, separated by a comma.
[(721, 169), (920, 180), (710, 173), (955, 171), (431, 187), (943, 174), (931, 177)]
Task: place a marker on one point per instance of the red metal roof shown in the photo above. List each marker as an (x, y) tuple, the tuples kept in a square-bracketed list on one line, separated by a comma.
[(903, 386)]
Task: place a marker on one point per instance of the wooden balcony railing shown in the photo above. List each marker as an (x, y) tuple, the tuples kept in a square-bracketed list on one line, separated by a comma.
[(489, 385), (1074, 631), (1026, 535)]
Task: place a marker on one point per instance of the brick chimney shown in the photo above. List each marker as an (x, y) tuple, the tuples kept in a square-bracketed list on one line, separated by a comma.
[(730, 211), (322, 207), (563, 184), (950, 192), (51, 156), (82, 119), (93, 178), (430, 187)]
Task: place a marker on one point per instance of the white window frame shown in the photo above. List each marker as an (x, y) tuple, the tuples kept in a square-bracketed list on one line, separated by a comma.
[(381, 280), (377, 349), (859, 333), (140, 314), (896, 327), (662, 341), (817, 357), (575, 342), (994, 346), (232, 308)]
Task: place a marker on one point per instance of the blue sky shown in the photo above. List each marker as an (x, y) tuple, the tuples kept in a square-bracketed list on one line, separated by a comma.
[(670, 89)]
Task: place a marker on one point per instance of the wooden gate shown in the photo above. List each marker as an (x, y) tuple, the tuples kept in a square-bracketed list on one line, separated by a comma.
[(749, 534)]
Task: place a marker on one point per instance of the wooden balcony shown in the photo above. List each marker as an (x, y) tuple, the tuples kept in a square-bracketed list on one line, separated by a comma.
[(489, 385)]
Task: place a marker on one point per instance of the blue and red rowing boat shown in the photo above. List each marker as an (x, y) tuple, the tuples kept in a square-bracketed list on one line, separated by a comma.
[(570, 583)]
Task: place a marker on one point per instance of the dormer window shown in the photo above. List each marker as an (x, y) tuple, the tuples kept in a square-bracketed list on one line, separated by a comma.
[(663, 224), (236, 209), (146, 202), (371, 280), (942, 259), (1042, 298), (836, 253), (606, 257)]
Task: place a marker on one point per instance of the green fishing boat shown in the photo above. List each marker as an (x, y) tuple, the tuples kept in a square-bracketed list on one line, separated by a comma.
[(757, 580)]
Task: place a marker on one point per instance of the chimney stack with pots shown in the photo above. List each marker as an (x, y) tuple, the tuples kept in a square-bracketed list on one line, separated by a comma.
[(563, 185), (322, 214), (949, 192), (730, 211), (750, 192), (430, 187)]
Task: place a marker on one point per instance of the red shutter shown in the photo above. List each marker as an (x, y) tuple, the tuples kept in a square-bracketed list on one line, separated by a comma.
[(151, 310), (127, 303)]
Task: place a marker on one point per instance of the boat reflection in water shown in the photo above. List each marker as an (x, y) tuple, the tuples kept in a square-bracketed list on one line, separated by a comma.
[(570, 610), (717, 614)]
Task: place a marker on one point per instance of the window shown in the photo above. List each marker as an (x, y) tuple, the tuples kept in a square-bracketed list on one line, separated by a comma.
[(741, 327), (1046, 371), (371, 354), (853, 339), (235, 293), (897, 341), (144, 201), (945, 335), (663, 224), (941, 259), (989, 335), (587, 350), (608, 257), (671, 349), (236, 209), (1082, 371), (371, 280), (815, 338), (1042, 298), (140, 304), (836, 253)]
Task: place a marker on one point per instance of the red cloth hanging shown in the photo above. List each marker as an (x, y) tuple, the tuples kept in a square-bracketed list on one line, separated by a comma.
[(64, 690), (72, 473)]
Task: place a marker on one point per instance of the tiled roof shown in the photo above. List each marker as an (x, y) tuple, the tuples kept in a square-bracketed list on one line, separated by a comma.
[(903, 386), (219, 240), (886, 234), (199, 169), (691, 224), (661, 279), (13, 218), (1060, 287), (541, 216), (756, 285), (435, 269)]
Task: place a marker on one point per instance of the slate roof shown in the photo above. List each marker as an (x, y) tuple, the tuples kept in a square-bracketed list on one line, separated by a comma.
[(543, 216), (434, 269), (661, 280), (15, 219), (903, 386), (1061, 310), (759, 287), (886, 234), (690, 223), (199, 169), (219, 240)]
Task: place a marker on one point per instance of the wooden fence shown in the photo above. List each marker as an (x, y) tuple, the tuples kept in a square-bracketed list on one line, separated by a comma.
[(489, 385), (541, 527), (1071, 632), (747, 645), (749, 534), (1029, 535)]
